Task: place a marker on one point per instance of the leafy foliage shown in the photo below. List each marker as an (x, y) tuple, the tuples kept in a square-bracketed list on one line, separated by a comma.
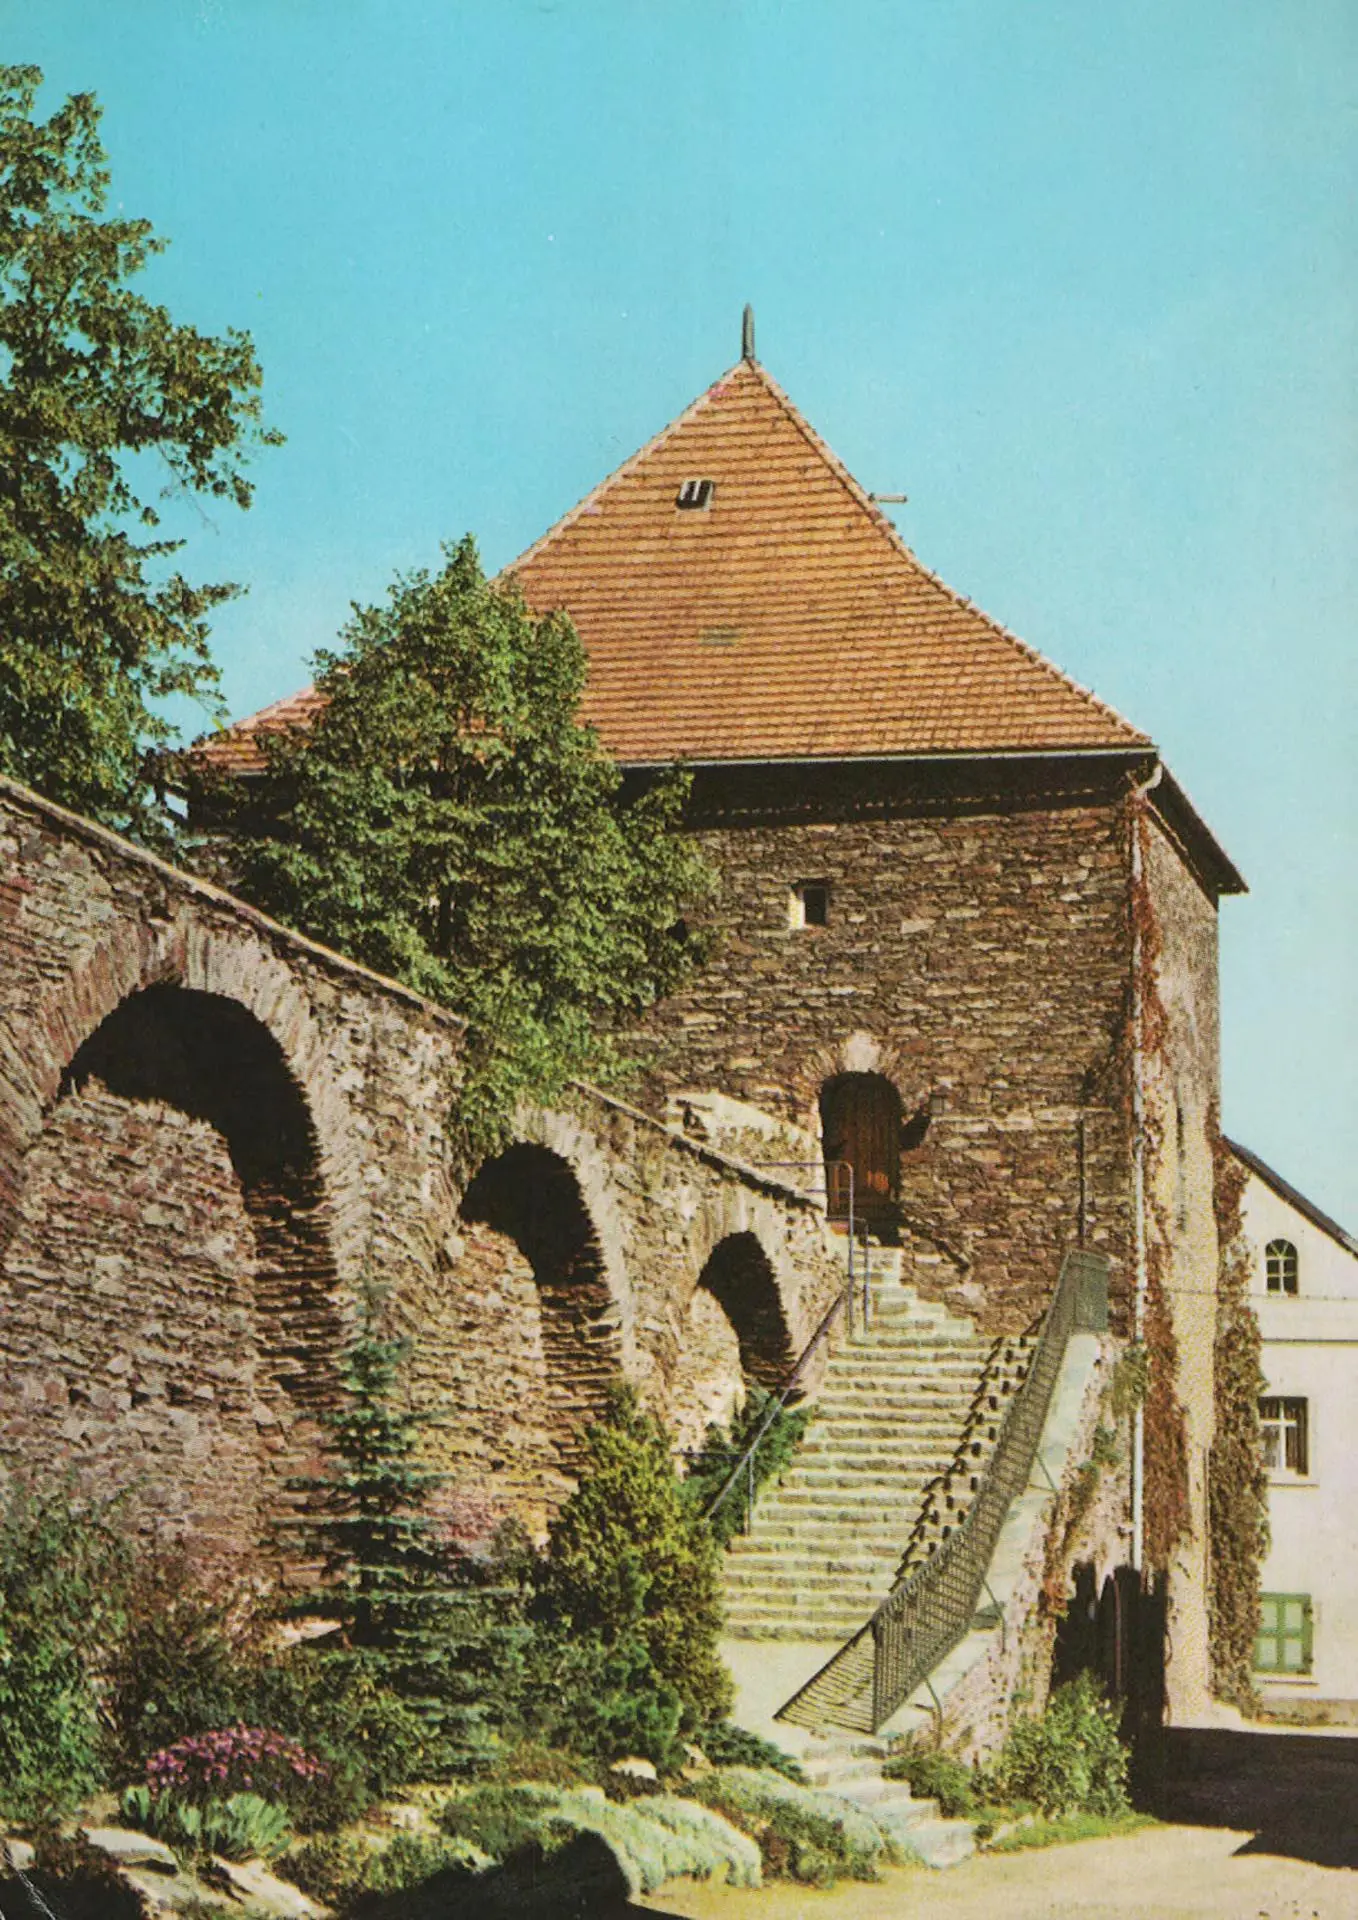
[(447, 819), (186, 1659), (934, 1775), (63, 1566), (653, 1840), (722, 1448), (240, 1825), (98, 386), (1068, 1761), (802, 1834), (631, 1563), (1237, 1481), (408, 1629), (343, 1868), (727, 1745)]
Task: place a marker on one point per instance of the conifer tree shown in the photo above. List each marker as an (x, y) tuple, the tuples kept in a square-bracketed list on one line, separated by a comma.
[(415, 1621)]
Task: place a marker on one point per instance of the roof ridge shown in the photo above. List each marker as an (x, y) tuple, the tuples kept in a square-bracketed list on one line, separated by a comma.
[(894, 537)]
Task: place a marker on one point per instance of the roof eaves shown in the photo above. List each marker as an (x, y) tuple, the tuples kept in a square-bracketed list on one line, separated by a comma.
[(1286, 1191), (1195, 838), (893, 535)]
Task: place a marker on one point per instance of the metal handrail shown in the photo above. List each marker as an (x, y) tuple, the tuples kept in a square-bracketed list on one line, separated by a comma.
[(932, 1608), (745, 1464)]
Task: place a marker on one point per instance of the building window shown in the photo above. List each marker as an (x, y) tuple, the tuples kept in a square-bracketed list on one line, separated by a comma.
[(1280, 1266), (809, 904), (1283, 1642), (1287, 1445), (693, 495)]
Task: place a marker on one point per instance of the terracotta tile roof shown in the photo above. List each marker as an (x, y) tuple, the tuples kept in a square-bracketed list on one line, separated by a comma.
[(786, 619), (235, 749)]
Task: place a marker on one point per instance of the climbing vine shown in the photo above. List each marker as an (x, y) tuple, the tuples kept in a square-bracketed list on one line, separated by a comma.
[(1237, 1485), (1165, 1474)]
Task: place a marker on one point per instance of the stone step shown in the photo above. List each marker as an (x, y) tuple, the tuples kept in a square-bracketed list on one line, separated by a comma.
[(763, 1558)]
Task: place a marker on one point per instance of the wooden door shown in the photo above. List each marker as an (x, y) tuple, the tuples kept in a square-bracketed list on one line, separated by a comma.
[(861, 1124)]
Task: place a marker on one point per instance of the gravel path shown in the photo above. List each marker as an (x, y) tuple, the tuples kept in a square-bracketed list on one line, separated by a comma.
[(1161, 1873)]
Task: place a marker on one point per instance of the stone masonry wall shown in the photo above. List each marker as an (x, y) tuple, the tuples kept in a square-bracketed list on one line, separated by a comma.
[(983, 957), (1181, 1077), (183, 1243)]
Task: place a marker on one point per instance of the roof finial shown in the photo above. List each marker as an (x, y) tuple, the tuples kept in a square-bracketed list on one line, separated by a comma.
[(747, 334)]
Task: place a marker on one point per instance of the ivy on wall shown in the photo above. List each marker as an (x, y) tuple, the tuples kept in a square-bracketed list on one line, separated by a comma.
[(1237, 1485), (1166, 1507)]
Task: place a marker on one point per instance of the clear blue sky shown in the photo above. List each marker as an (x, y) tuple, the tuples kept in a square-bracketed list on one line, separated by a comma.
[(1078, 278)]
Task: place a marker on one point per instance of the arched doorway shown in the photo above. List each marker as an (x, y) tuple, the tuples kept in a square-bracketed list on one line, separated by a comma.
[(169, 1313), (531, 1196), (860, 1117)]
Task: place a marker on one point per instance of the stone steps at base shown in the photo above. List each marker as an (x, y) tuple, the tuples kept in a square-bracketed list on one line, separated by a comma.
[(853, 1771)]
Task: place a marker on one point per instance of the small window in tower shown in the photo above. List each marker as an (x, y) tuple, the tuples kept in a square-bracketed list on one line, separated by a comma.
[(1280, 1266), (809, 904), (695, 494)]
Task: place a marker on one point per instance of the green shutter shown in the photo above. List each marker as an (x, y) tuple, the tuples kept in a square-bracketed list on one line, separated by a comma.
[(1283, 1643)]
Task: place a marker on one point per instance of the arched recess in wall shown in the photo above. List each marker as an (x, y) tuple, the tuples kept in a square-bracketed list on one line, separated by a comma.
[(532, 1196), (171, 1221), (735, 1332), (739, 1276), (860, 1115)]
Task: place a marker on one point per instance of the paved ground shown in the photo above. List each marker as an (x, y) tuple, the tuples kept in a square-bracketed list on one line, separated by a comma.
[(1161, 1873)]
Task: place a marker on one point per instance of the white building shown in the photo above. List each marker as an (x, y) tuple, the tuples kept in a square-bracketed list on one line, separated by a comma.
[(1304, 1286)]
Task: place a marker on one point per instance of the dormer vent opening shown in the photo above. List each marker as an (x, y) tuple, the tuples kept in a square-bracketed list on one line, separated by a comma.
[(693, 495)]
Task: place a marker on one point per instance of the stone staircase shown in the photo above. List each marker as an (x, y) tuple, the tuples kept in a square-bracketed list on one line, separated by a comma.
[(877, 1473), (853, 1770)]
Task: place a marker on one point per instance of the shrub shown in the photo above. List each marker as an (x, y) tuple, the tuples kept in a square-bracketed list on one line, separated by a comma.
[(185, 1661), (802, 1834), (652, 1840), (727, 1745), (1068, 1761), (342, 1868), (63, 1567), (599, 1700), (630, 1562), (240, 1826), (723, 1447), (936, 1776), (211, 1766)]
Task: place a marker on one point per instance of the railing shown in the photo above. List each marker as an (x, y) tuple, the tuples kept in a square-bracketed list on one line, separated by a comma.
[(744, 1467), (926, 1615)]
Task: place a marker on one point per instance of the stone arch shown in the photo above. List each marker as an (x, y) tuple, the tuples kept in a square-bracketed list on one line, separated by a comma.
[(531, 1195), (739, 1276), (172, 1222), (210, 1058), (735, 1332), (200, 954)]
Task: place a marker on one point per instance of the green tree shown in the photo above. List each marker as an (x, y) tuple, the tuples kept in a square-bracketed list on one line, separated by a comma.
[(631, 1562), (417, 1624), (63, 1576), (99, 388), (447, 819)]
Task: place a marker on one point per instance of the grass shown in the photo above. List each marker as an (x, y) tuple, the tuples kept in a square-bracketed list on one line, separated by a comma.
[(1063, 1828)]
